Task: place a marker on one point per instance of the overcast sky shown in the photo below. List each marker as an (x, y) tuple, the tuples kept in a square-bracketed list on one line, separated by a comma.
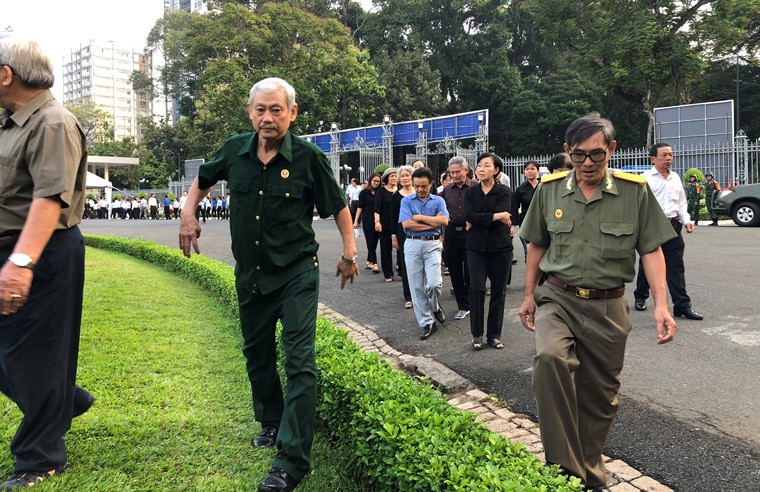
[(62, 25)]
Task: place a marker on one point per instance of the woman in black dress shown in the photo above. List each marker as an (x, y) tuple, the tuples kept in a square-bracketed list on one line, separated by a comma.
[(488, 208), (384, 225), (365, 210)]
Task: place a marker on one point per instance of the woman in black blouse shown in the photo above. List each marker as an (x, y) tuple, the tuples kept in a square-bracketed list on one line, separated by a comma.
[(365, 209), (488, 208), (384, 225), (398, 237), (524, 195)]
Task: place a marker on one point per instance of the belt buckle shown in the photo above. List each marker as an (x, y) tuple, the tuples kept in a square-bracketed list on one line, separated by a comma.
[(581, 292)]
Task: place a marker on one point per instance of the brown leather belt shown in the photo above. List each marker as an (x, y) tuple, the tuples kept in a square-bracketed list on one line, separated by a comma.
[(6, 241), (588, 293)]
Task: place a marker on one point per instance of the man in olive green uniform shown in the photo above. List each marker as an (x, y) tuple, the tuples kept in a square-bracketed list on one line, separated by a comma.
[(693, 195), (583, 227), (712, 187), (275, 181)]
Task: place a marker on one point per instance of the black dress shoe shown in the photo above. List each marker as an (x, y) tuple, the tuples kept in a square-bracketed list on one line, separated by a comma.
[(427, 331), (640, 305), (83, 400), (599, 488), (278, 481), (440, 315), (267, 437), (688, 313)]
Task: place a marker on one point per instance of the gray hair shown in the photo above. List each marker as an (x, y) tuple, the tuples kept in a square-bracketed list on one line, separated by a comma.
[(584, 128), (273, 84), (458, 159), (28, 62), (408, 169)]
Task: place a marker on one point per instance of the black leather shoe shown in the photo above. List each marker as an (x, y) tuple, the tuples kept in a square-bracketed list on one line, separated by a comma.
[(427, 331), (83, 400), (599, 488), (278, 481), (440, 315), (640, 305), (267, 437), (688, 313)]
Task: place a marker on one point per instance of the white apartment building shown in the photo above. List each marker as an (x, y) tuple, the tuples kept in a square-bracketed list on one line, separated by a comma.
[(186, 5), (100, 72)]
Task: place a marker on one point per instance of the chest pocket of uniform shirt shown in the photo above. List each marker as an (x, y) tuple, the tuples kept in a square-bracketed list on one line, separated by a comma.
[(239, 196), (289, 201), (617, 240), (560, 236), (8, 172)]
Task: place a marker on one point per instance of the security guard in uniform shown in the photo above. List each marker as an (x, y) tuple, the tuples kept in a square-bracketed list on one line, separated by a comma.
[(583, 227), (275, 180), (693, 196), (712, 187)]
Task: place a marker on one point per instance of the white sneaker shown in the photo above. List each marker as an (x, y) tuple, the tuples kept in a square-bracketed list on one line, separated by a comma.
[(461, 314)]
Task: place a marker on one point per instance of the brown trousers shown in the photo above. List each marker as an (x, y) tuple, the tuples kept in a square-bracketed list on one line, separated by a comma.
[(580, 346)]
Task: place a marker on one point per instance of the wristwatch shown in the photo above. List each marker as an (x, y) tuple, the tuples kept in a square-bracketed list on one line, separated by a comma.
[(22, 260)]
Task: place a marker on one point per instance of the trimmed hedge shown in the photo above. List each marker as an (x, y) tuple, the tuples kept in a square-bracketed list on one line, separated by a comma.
[(400, 435)]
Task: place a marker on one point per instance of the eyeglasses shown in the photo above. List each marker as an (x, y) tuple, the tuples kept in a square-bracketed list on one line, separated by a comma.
[(594, 155)]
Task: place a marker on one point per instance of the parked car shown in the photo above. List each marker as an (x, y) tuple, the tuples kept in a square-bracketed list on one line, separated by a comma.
[(742, 204)]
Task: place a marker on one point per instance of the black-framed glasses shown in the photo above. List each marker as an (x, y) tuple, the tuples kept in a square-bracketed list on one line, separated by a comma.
[(594, 155)]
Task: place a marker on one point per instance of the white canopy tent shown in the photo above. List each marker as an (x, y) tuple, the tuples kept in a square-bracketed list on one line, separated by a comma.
[(95, 181)]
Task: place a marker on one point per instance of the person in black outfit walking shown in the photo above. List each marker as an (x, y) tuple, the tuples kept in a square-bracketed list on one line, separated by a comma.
[(455, 242), (384, 225), (524, 195), (488, 207), (365, 210)]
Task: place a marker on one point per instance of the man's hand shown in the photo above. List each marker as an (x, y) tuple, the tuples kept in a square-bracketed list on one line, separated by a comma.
[(527, 313), (15, 283), (189, 232), (378, 226), (347, 272), (666, 326), (689, 227), (394, 241)]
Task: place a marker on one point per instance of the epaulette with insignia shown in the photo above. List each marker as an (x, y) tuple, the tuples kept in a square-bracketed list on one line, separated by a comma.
[(554, 176), (634, 178)]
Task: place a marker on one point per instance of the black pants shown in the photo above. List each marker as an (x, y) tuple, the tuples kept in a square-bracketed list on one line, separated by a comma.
[(154, 212), (455, 257), (386, 252), (167, 212), (497, 268), (39, 347), (675, 272), (371, 237), (401, 239)]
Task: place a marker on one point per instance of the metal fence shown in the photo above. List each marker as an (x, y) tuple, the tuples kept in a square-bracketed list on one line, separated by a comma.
[(730, 163)]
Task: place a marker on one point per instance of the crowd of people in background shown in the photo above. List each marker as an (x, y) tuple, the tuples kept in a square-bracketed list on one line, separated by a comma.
[(152, 207)]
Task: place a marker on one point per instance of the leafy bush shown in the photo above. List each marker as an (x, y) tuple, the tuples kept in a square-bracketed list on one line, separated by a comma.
[(380, 169), (400, 435)]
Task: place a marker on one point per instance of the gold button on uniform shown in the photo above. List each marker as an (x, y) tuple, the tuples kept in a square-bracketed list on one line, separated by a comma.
[(258, 217), (314, 258), (316, 264), (287, 195), (257, 243), (261, 193), (258, 267)]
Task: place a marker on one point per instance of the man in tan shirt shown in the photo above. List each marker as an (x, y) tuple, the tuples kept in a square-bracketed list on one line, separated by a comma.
[(43, 164)]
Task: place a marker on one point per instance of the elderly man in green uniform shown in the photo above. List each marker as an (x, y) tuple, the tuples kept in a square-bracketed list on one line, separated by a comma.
[(584, 227), (693, 196), (275, 181)]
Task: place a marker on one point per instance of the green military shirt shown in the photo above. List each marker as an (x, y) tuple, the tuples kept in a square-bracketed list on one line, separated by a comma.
[(591, 243), (272, 206), (693, 192)]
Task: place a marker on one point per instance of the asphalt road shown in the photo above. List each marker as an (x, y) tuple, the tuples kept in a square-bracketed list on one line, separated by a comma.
[(688, 410)]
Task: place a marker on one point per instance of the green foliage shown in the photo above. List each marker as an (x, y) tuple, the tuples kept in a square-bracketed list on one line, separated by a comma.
[(116, 196), (172, 196), (142, 195), (89, 196), (380, 169), (96, 123), (398, 434), (693, 172)]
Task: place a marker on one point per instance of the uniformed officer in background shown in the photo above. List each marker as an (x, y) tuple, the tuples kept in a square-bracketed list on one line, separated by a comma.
[(275, 180), (693, 197), (583, 227), (712, 187)]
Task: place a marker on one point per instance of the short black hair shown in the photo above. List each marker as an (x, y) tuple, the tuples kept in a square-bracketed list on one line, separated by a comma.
[(423, 172), (560, 161), (656, 148), (497, 162), (587, 126), (530, 163)]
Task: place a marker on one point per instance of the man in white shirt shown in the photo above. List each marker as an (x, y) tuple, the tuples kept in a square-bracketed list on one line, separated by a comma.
[(352, 196), (668, 189)]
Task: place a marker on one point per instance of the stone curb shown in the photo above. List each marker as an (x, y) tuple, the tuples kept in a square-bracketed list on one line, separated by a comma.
[(491, 412)]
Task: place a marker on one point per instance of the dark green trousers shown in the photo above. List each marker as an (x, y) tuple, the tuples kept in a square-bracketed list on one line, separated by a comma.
[(295, 303)]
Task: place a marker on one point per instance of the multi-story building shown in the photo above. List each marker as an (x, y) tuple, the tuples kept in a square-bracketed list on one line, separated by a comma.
[(100, 72), (186, 5)]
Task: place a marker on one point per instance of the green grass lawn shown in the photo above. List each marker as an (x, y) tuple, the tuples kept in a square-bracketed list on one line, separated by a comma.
[(173, 409)]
